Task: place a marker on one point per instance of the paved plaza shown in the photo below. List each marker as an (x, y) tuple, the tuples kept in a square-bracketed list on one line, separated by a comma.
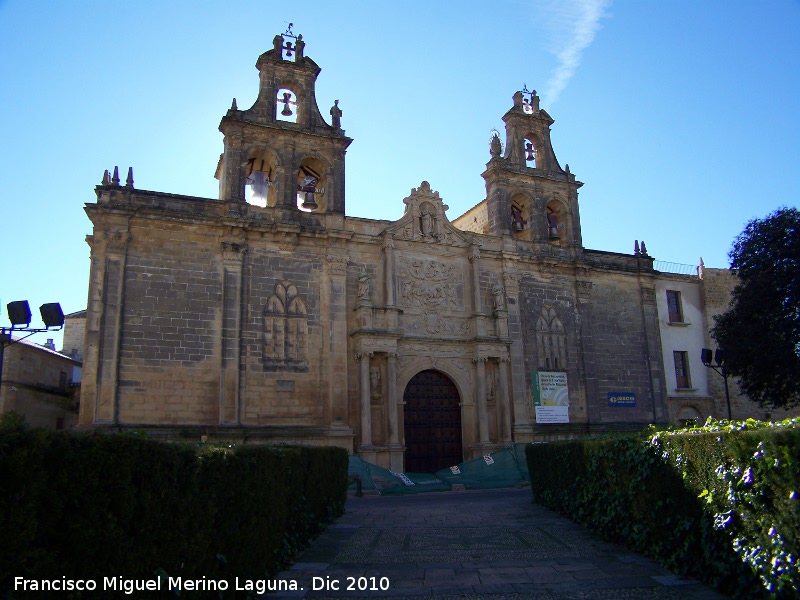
[(494, 544)]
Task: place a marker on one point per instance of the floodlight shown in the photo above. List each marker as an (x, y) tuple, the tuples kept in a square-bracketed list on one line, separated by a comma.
[(52, 315), (719, 356), (19, 313), (705, 356)]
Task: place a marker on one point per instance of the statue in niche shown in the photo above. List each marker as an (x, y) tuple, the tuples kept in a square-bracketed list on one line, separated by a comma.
[(497, 292), (375, 382), (426, 223), (363, 285)]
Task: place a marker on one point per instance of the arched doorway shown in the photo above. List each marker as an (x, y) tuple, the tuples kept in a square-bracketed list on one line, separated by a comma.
[(432, 423)]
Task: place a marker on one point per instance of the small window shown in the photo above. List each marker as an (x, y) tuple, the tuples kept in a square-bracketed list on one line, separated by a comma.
[(681, 369), (674, 309)]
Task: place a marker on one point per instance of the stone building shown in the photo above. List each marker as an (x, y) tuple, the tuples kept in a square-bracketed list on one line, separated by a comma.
[(270, 315), (40, 384)]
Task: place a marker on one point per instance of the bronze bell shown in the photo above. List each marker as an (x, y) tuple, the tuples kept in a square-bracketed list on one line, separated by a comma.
[(529, 152), (309, 203), (553, 225)]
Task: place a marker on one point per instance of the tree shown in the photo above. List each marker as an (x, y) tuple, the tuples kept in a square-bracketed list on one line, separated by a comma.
[(760, 334)]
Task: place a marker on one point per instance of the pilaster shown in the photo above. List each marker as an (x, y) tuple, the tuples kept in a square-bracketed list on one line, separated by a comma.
[(480, 399), (504, 403), (517, 355), (229, 397), (583, 291), (337, 375), (477, 308), (365, 402), (104, 330)]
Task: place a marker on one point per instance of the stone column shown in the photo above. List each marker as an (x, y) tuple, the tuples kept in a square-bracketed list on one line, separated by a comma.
[(480, 400), (365, 402), (503, 400), (232, 258)]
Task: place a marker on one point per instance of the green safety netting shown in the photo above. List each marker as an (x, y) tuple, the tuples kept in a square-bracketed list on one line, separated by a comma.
[(502, 468), (496, 470)]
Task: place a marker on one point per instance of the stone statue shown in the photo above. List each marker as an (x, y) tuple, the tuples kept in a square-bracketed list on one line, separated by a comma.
[(363, 285), (375, 382), (497, 292), (336, 115), (426, 223)]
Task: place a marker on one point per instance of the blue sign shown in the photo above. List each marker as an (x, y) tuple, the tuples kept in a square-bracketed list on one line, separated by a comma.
[(622, 399)]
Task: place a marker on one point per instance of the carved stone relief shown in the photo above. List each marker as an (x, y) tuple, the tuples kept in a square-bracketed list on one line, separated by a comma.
[(429, 284), (285, 330), (551, 340), (432, 324)]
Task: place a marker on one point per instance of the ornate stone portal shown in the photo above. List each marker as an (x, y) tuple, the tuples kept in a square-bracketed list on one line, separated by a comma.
[(268, 315)]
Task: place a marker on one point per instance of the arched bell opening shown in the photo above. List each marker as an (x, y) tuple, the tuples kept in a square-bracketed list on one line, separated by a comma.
[(533, 156), (557, 219), (286, 105), (431, 423), (520, 215), (260, 178), (311, 181)]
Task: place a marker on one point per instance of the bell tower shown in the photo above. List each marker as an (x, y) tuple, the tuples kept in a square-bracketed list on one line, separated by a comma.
[(281, 152), (528, 194)]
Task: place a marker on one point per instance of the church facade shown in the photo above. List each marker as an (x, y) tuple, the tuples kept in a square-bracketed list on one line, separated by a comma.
[(269, 315)]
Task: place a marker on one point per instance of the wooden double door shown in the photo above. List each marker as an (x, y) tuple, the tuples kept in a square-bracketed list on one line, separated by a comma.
[(432, 423)]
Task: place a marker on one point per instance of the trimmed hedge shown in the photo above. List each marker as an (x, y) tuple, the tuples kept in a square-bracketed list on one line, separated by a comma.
[(718, 503), (85, 506)]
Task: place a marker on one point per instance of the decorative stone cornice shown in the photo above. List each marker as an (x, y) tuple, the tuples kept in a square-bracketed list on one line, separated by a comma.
[(338, 264), (116, 240), (584, 289), (474, 252)]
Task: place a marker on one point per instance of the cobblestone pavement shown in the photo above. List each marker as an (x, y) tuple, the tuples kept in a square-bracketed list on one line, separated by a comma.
[(494, 544)]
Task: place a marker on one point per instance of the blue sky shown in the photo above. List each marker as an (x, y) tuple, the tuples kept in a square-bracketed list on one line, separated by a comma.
[(680, 117)]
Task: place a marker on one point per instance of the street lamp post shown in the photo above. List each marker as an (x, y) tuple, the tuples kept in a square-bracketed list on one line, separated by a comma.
[(719, 358), (19, 313)]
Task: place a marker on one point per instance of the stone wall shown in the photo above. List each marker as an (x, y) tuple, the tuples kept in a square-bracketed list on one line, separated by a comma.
[(717, 285), (38, 384)]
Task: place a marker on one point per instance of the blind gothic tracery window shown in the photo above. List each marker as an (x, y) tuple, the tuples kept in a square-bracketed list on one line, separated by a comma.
[(285, 330), (551, 341)]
